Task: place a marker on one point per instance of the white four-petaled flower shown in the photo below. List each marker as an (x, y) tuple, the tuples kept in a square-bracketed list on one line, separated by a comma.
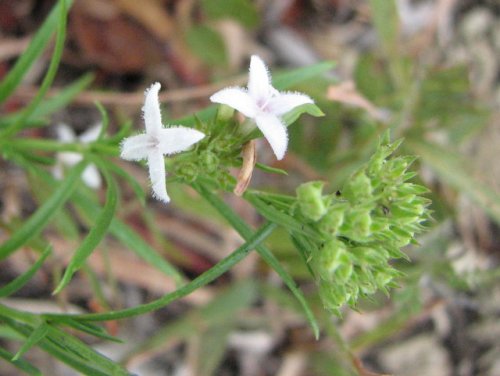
[(65, 134), (156, 142), (263, 103)]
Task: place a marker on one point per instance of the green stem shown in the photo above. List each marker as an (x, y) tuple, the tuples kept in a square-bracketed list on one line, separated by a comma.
[(220, 268), (58, 146)]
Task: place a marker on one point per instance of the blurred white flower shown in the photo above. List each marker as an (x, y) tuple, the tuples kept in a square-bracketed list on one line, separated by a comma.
[(263, 103), (156, 142), (65, 134)]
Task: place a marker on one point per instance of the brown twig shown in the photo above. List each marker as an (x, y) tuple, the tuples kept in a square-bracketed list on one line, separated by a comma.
[(25, 93)]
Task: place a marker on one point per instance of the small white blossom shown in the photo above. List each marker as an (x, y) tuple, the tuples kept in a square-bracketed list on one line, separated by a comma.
[(65, 134), (263, 103), (156, 142)]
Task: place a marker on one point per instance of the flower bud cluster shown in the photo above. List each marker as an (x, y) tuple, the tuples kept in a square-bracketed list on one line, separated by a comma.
[(363, 227)]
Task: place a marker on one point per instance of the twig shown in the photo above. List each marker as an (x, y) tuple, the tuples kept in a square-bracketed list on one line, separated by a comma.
[(133, 99)]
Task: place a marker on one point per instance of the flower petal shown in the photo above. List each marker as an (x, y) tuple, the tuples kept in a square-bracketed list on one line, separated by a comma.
[(68, 158), (65, 133), (275, 132), (91, 134), (285, 102), (136, 148), (91, 177), (238, 99), (151, 109), (177, 139), (259, 79), (156, 165)]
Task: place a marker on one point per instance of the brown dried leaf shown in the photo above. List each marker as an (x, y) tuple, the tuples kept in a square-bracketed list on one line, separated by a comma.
[(245, 174), (114, 44)]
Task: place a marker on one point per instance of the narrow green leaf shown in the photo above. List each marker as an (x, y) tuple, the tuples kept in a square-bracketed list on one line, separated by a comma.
[(89, 328), (136, 187), (71, 351), (104, 120), (243, 11), (246, 232), (285, 80), (49, 76), (203, 279), (271, 170), (36, 336), (221, 310), (124, 233), (199, 37), (455, 171), (20, 364), (386, 20), (52, 104), (36, 223), (96, 233), (21, 280), (274, 215), (36, 47)]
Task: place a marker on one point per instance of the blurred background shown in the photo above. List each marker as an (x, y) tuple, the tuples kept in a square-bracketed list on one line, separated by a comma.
[(427, 69)]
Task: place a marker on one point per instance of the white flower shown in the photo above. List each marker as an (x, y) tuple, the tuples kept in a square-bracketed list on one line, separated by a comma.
[(65, 134), (264, 104), (156, 142)]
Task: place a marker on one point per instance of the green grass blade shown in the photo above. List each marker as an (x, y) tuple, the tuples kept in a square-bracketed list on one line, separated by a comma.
[(20, 281), (49, 76), (203, 279), (455, 171), (36, 47), (96, 233), (35, 224), (242, 228), (36, 336), (20, 364)]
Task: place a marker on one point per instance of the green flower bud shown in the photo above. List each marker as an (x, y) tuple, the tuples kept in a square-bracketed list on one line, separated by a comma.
[(334, 217), (210, 161), (356, 225), (311, 200), (358, 188), (224, 112), (344, 270), (332, 296), (188, 171), (329, 258)]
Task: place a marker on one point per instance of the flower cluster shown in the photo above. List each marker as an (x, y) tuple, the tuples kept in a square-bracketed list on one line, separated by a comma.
[(363, 227), (260, 102)]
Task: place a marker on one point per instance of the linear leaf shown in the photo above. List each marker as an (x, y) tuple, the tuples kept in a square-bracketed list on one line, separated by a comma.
[(89, 328), (35, 224), (21, 280), (52, 104), (49, 76), (293, 77), (21, 364), (245, 231), (96, 233), (203, 279), (36, 336), (36, 47)]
